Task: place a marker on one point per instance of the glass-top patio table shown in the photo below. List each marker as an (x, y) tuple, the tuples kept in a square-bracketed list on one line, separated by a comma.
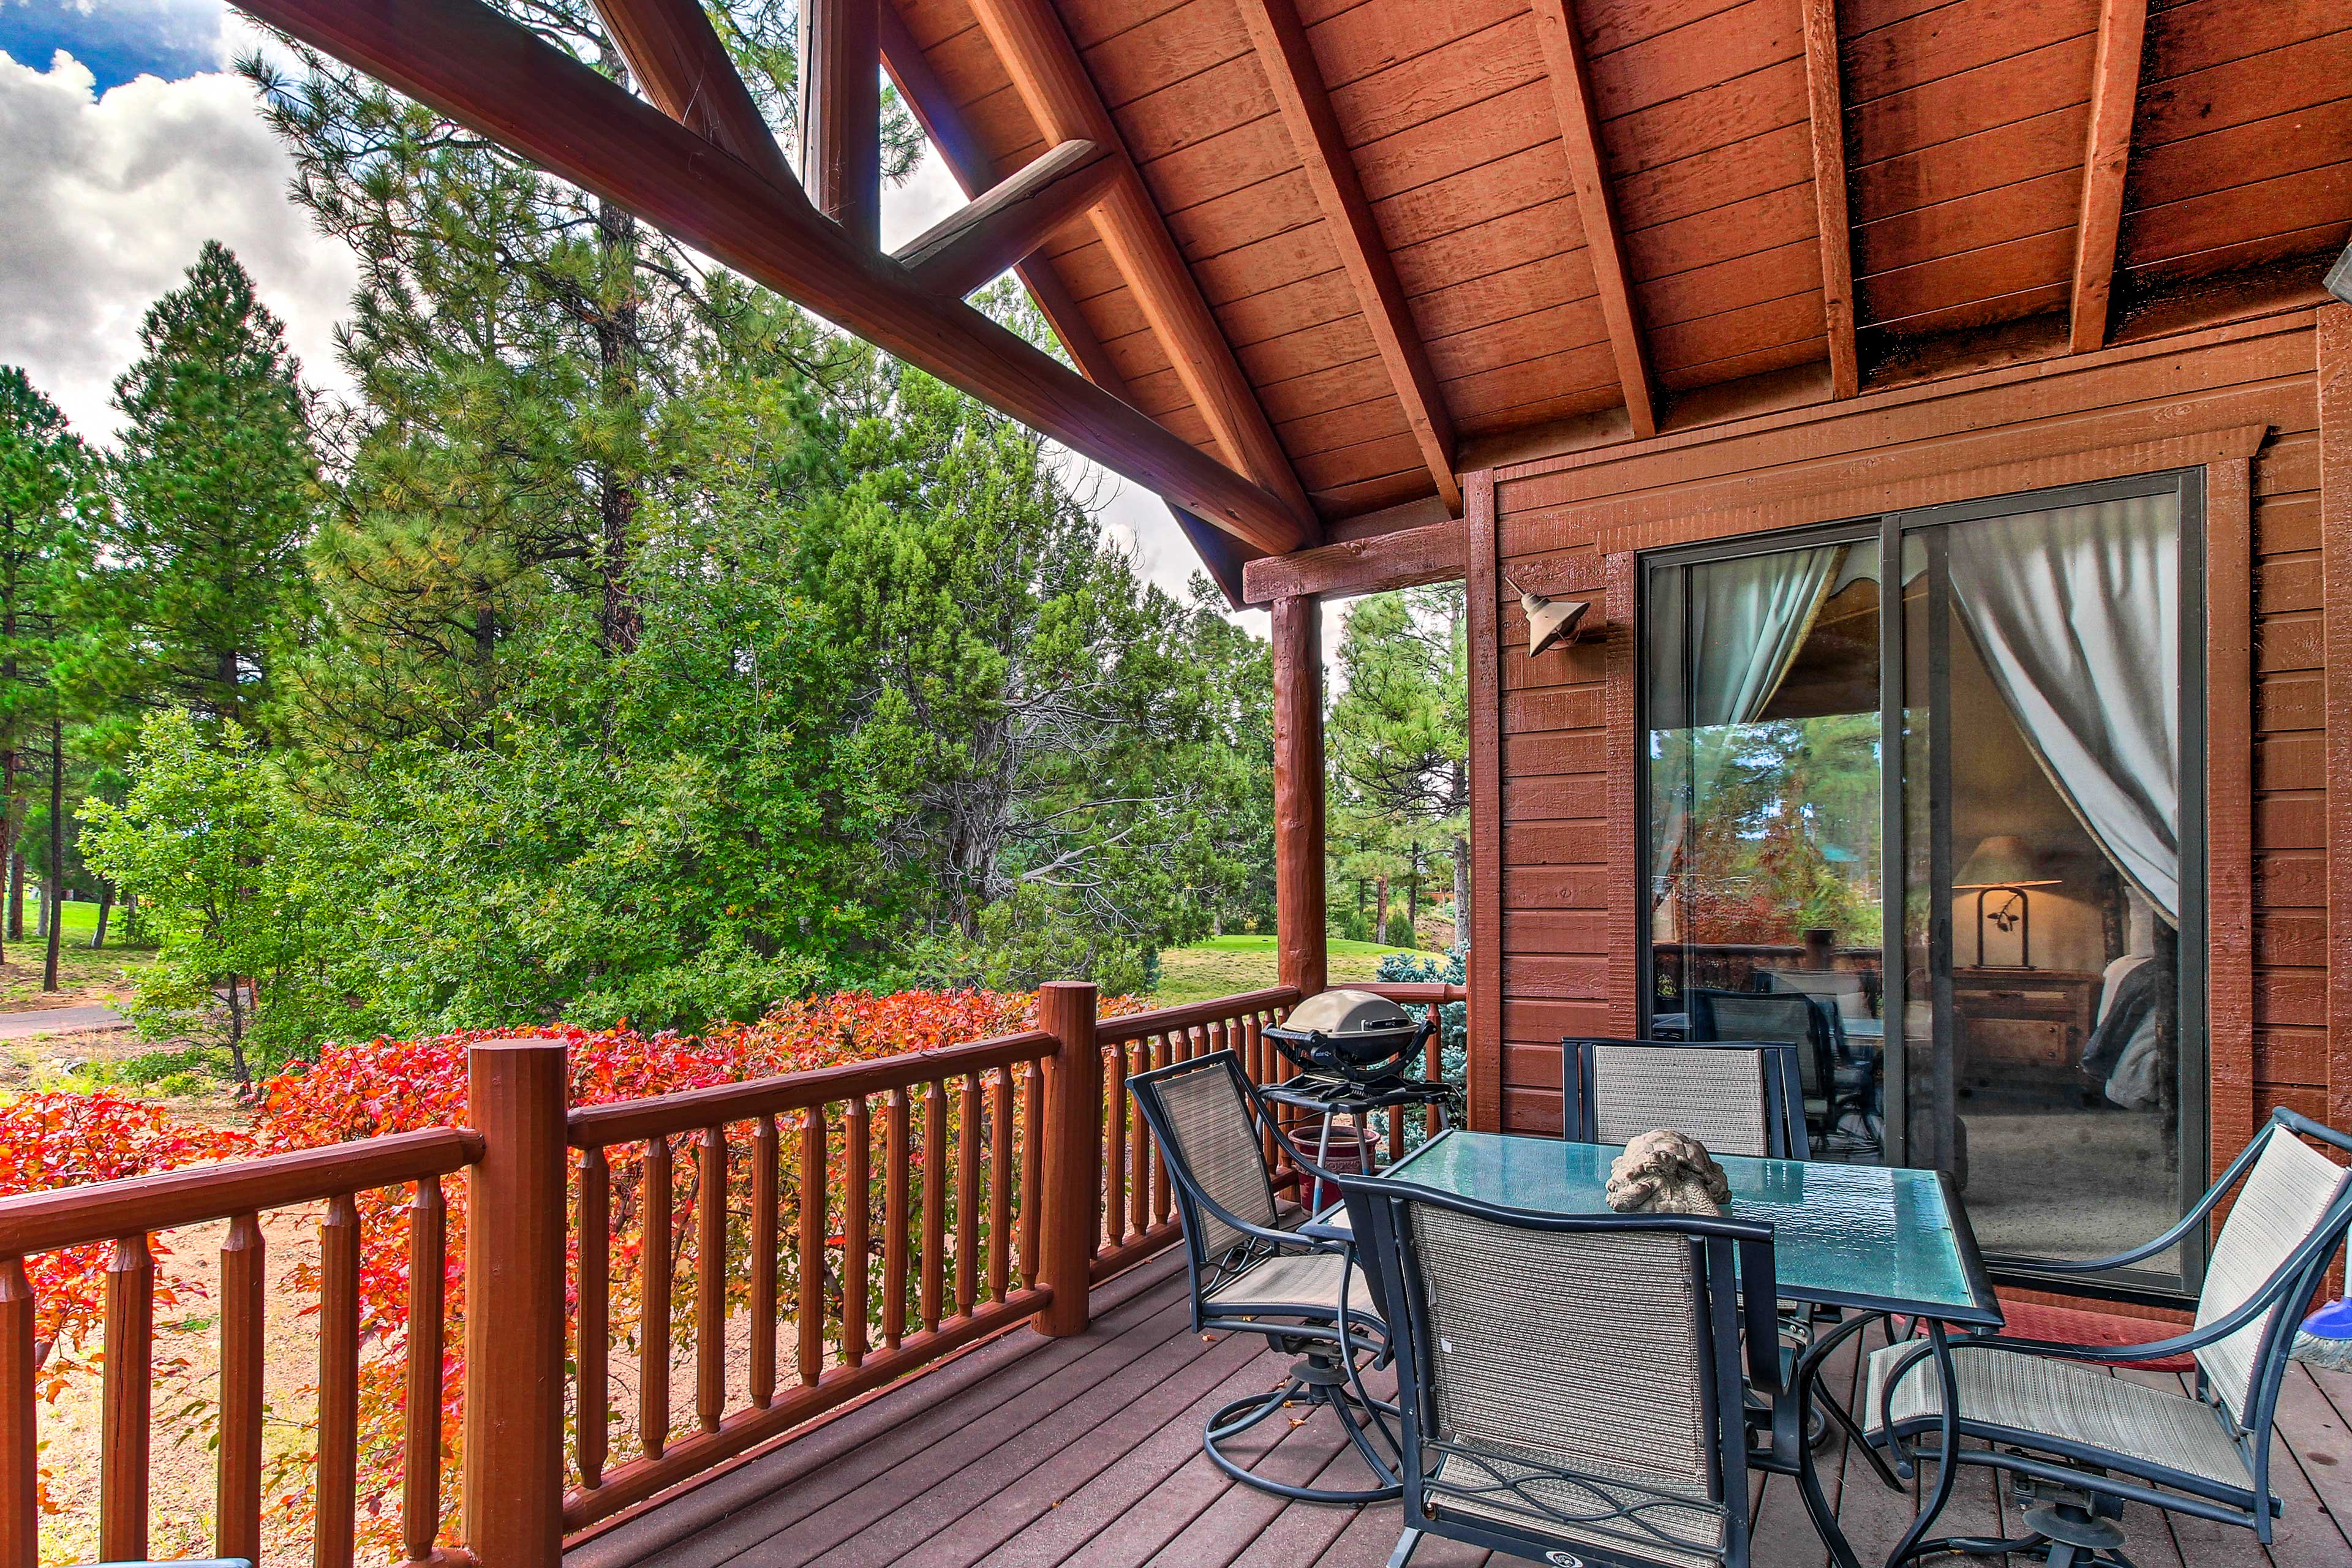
[(1877, 1240)]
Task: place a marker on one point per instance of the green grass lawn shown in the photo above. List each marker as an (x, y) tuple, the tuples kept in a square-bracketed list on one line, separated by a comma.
[(1227, 965), (84, 977)]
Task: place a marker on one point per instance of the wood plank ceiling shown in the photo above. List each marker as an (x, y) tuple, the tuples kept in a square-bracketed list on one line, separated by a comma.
[(1428, 233)]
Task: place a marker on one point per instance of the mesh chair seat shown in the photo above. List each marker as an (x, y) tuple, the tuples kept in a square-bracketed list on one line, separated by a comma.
[(1310, 1281), (1499, 1488), (2043, 1397)]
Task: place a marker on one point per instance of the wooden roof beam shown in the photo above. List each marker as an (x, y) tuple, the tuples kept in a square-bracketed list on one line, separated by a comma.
[(1052, 81), (681, 63), (1588, 169), (2106, 153), (1433, 553), (1297, 82), (841, 115), (477, 67), (1007, 224), (927, 96), (1825, 90)]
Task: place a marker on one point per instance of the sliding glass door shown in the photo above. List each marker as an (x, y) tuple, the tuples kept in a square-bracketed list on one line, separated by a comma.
[(1978, 906)]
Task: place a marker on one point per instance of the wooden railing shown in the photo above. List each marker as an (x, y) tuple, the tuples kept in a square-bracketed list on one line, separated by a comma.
[(127, 1214), (889, 1211), (1137, 1210), (926, 1239)]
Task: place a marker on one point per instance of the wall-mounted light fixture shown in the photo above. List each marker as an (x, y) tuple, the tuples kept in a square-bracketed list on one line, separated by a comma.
[(2004, 864), (1549, 621)]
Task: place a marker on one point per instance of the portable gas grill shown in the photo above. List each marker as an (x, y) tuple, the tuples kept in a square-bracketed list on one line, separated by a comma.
[(1353, 1051)]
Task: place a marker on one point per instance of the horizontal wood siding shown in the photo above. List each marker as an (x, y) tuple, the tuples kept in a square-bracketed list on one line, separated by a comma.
[(1565, 720)]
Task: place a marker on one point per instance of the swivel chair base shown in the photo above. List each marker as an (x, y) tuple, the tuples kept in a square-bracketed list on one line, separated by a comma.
[(2066, 1528), (1319, 1379)]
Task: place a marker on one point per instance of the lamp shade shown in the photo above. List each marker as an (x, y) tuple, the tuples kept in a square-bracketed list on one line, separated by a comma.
[(2003, 860)]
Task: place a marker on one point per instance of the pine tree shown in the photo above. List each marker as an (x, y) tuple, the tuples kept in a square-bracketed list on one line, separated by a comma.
[(50, 502), (1399, 741), (216, 487)]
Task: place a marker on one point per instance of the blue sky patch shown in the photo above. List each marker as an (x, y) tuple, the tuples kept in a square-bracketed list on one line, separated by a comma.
[(119, 40)]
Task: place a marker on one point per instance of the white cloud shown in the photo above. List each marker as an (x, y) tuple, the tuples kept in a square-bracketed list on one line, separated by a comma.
[(110, 196)]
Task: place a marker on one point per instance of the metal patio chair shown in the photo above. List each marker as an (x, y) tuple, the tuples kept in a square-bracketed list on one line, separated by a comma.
[(2093, 1442), (1737, 1096), (1249, 1275), (1570, 1384), (1833, 1089)]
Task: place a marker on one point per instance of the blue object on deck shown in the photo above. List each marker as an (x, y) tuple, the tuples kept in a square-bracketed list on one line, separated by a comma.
[(2333, 1322), (2326, 1340)]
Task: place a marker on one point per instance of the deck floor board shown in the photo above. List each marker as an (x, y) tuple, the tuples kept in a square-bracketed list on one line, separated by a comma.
[(1084, 1453)]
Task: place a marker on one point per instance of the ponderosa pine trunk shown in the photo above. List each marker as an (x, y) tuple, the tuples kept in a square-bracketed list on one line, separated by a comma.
[(1461, 889), (105, 908), (54, 884)]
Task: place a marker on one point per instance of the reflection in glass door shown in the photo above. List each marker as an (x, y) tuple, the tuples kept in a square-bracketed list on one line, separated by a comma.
[(1991, 952)]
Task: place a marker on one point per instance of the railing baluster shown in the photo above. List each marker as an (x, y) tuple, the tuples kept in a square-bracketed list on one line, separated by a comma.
[(968, 1197), (420, 1480), (1114, 1146), (856, 1208), (653, 1293), (1139, 1155), (897, 1158), (237, 1489), (1032, 1173), (766, 1252), (999, 1183), (128, 1389), (935, 1197), (810, 1313), (595, 1348), (1157, 1048), (335, 1523), (20, 1437), (710, 1278)]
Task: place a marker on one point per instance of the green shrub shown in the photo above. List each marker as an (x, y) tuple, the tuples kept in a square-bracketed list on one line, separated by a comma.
[(1401, 932)]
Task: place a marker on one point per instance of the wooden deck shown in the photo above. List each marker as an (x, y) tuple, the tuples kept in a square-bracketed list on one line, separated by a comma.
[(1029, 1453)]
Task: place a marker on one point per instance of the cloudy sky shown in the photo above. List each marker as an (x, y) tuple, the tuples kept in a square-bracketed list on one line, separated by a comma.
[(126, 141)]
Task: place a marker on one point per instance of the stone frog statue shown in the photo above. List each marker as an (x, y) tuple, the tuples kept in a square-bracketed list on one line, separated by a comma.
[(1667, 1173)]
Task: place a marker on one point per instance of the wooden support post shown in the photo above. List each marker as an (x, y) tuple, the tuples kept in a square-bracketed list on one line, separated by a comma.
[(514, 1307), (1073, 1175), (20, 1437), (1303, 952), (2333, 351), (841, 115)]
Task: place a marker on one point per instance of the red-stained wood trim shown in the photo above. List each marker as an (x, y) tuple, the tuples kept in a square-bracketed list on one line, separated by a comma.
[(897, 1160), (1115, 1141), (1621, 659), (1000, 1183), (466, 61), (335, 1524), (592, 1351), (767, 1251), (932, 1265), (244, 1308), (967, 1212), (1165, 1020), (2106, 152), (856, 1211), (1580, 132), (420, 1480), (2334, 359), (841, 114), (1485, 716), (1405, 558), (809, 1315), (20, 1434), (1825, 100), (1061, 97), (710, 1278), (2230, 897), (1005, 224), (1297, 82), (73, 1216), (677, 57), (1032, 1173), (1073, 1132), (654, 1187), (746, 1428), (1302, 946), (627, 1121)]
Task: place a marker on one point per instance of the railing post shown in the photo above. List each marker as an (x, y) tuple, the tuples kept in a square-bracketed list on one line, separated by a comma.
[(514, 1305), (1073, 1173)]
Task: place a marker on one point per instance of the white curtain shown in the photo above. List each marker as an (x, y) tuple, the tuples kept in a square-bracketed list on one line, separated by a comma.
[(2076, 611), (1722, 640)]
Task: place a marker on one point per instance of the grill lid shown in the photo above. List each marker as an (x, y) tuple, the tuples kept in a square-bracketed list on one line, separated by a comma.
[(1340, 1015)]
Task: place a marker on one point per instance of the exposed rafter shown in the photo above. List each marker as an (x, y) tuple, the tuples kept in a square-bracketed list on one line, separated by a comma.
[(1587, 170), (922, 89), (684, 69), (841, 115), (475, 66), (1297, 83), (1011, 220), (2106, 152), (1405, 559), (1053, 83), (1825, 89)]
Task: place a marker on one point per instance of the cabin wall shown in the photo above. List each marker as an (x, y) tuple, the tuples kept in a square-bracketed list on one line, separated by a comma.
[(1555, 950)]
